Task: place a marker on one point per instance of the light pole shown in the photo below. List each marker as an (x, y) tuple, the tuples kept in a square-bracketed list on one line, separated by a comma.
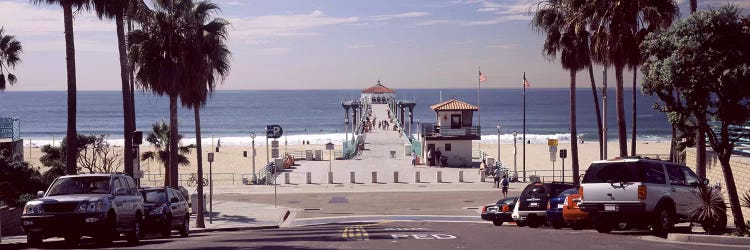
[(515, 171), (498, 142), (255, 178)]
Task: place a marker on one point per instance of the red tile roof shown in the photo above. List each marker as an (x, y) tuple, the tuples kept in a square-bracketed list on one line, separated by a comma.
[(378, 88), (453, 104)]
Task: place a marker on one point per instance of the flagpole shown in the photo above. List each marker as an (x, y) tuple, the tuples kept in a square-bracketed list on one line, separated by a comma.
[(479, 114), (524, 126)]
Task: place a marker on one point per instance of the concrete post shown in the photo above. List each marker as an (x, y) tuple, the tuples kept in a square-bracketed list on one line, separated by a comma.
[(482, 176), (330, 177), (461, 176), (286, 178), (439, 176), (395, 176), (351, 177), (374, 177), (416, 177), (309, 178)]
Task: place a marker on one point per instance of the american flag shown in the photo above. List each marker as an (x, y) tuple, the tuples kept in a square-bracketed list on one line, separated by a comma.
[(482, 77), (526, 82)]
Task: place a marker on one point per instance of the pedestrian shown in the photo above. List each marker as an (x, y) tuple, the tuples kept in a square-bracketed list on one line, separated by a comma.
[(438, 157), (413, 159), (505, 184), (482, 166), (430, 160), (497, 175)]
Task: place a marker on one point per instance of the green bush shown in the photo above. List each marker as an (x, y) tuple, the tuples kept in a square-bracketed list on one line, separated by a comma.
[(709, 209)]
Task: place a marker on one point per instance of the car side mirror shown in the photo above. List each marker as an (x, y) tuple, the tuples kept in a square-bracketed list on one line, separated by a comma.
[(39, 194), (705, 181), (174, 200), (121, 191)]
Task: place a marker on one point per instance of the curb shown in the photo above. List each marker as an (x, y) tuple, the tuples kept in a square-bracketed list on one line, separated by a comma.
[(230, 229), (710, 239)]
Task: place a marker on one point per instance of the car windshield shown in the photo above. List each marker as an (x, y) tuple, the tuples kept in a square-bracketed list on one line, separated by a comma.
[(80, 185), (154, 196), (568, 192), (613, 172)]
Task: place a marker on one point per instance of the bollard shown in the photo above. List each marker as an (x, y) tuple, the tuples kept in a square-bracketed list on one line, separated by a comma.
[(461, 176), (395, 176), (309, 178), (482, 176), (416, 177), (374, 177), (286, 178), (439, 176), (330, 177), (351, 177)]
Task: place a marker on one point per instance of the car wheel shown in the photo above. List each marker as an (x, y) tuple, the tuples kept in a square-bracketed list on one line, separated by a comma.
[(663, 221), (602, 224), (105, 238), (533, 222), (72, 240), (135, 236), (34, 239), (497, 222), (166, 230), (185, 230), (556, 224), (521, 223)]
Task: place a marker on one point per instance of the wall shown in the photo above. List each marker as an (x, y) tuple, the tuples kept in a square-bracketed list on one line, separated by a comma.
[(460, 154), (444, 117), (10, 218), (740, 169)]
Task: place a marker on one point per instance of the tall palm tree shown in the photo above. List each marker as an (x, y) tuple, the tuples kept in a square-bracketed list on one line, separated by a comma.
[(116, 9), (157, 54), (208, 62), (10, 50), (159, 137), (570, 40), (615, 27), (70, 61)]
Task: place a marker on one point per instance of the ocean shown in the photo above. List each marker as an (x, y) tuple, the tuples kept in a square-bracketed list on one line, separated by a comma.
[(317, 115)]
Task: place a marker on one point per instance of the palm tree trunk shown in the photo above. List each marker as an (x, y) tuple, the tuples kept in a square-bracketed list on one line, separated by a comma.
[(173, 142), (573, 131), (700, 147), (632, 135), (70, 60), (672, 146), (166, 174), (598, 112), (125, 82), (200, 219), (620, 109), (693, 6), (734, 200)]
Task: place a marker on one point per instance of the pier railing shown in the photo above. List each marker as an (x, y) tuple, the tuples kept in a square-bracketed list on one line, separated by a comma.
[(447, 131)]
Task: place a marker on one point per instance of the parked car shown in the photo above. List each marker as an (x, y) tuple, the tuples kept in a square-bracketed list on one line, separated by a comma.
[(532, 203), (499, 212), (166, 210), (97, 205), (555, 208), (573, 215), (638, 192)]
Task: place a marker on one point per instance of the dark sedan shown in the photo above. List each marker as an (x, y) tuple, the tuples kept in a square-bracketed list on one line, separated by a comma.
[(555, 208), (499, 212), (165, 210)]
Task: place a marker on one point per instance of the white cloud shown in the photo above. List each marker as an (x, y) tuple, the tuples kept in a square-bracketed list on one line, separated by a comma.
[(247, 29), (506, 11), (397, 16), (501, 46), (24, 19), (360, 46)]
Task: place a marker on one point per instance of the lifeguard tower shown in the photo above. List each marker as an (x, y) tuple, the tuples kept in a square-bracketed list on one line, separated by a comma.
[(452, 133)]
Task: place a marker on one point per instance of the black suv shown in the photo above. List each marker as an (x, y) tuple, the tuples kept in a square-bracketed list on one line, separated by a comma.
[(532, 205), (97, 205)]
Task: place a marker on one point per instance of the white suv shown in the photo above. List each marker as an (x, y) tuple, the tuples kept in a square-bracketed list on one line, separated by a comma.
[(639, 192)]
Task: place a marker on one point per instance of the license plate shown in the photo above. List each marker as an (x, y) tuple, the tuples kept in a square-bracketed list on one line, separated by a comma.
[(559, 205), (533, 204), (610, 207)]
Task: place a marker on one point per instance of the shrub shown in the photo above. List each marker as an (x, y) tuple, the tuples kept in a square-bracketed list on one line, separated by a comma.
[(709, 209)]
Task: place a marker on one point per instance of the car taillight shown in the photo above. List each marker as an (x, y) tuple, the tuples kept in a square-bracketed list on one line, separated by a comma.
[(484, 209), (642, 192), (548, 205), (506, 208), (580, 191)]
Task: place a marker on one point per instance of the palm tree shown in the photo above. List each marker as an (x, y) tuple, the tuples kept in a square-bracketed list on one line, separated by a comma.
[(570, 40), (208, 60), (70, 61), (157, 54), (159, 137), (10, 48), (615, 28)]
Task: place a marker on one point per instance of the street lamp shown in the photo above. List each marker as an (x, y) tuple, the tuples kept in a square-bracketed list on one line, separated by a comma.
[(346, 129), (252, 136), (498, 142), (515, 171)]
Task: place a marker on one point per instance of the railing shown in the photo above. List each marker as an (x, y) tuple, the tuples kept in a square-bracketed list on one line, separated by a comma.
[(447, 131)]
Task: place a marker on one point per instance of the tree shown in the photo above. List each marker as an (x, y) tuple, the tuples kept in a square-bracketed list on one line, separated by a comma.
[(570, 40), (98, 156), (10, 49), (55, 158), (208, 59), (615, 26), (160, 138), (70, 61), (706, 60), (16, 179), (157, 53)]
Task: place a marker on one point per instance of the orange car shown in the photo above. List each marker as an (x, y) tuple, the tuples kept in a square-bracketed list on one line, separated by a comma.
[(573, 215)]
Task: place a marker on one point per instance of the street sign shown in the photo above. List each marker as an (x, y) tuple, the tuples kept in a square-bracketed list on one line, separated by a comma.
[(329, 146), (274, 131), (552, 142), (210, 157), (563, 153), (275, 153), (553, 156), (274, 144)]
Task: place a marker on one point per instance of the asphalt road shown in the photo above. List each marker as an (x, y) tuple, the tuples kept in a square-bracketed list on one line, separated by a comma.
[(406, 235)]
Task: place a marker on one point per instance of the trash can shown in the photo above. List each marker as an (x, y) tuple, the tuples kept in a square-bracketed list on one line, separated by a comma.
[(245, 181), (318, 155), (194, 203), (308, 155)]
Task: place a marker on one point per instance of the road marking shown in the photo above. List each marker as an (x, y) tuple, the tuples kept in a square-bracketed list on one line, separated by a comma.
[(396, 237), (355, 233)]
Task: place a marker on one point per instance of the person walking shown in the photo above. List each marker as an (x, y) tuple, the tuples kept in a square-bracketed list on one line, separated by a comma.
[(505, 184), (413, 159), (482, 167), (430, 159), (438, 157), (497, 175)]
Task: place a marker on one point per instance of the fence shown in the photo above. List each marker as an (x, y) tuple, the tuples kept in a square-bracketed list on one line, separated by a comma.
[(219, 179)]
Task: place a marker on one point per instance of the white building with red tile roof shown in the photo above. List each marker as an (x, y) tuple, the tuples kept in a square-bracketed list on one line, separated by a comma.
[(378, 93), (451, 134)]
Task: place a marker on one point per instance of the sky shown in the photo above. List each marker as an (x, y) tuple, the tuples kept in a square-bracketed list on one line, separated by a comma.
[(317, 44)]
